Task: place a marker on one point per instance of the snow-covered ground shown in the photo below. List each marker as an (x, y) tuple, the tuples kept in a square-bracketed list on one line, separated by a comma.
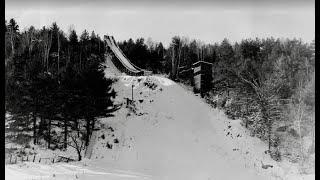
[(171, 134), (65, 171)]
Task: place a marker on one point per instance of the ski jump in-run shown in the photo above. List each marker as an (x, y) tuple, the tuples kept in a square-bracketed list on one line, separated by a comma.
[(120, 61)]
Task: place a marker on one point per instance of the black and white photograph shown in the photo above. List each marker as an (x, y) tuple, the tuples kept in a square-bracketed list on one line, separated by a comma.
[(159, 90)]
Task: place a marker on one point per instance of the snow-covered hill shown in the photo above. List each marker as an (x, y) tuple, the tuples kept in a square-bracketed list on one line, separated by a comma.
[(175, 135), (169, 133)]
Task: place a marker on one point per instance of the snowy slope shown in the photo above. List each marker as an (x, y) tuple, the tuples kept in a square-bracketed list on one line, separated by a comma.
[(172, 134), (177, 136)]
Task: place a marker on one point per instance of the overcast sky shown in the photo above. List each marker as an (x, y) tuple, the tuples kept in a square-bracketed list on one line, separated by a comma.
[(208, 21)]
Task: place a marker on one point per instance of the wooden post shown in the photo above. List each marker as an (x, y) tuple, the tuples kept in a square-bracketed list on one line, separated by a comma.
[(16, 160), (132, 91), (27, 158), (39, 160), (10, 158), (34, 157)]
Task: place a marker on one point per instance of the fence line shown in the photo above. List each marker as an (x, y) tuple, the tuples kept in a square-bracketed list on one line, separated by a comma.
[(14, 159)]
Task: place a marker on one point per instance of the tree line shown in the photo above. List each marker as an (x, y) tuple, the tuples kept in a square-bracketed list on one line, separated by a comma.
[(269, 84)]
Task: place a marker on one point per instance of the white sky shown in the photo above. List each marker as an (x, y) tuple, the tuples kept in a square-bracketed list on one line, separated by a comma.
[(209, 23)]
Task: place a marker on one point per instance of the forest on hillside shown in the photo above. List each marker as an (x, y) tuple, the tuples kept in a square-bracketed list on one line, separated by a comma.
[(54, 78), (55, 86), (267, 83)]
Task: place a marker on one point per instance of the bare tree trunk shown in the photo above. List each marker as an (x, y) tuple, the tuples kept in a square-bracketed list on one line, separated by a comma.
[(40, 129), (47, 61), (173, 70), (247, 112), (99, 45), (25, 70), (78, 146), (65, 133), (178, 63), (93, 124), (48, 50), (88, 127), (198, 54), (68, 61), (79, 155), (12, 43), (44, 56), (80, 62), (78, 129), (269, 134), (58, 52), (49, 134), (34, 128), (300, 113), (266, 120)]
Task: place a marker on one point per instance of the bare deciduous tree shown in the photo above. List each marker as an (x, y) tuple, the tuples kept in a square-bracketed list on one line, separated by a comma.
[(47, 41), (77, 143)]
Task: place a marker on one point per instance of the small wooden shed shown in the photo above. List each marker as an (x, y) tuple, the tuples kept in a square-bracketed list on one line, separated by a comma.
[(202, 76)]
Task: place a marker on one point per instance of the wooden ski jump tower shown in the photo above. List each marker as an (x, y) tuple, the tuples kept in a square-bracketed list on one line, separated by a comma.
[(202, 76)]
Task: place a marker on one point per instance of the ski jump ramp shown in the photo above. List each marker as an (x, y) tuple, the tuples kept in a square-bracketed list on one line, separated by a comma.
[(120, 61)]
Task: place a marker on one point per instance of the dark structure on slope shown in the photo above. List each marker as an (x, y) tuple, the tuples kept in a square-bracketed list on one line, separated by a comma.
[(202, 76)]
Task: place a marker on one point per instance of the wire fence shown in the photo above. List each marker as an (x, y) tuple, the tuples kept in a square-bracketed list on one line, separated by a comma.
[(16, 159)]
